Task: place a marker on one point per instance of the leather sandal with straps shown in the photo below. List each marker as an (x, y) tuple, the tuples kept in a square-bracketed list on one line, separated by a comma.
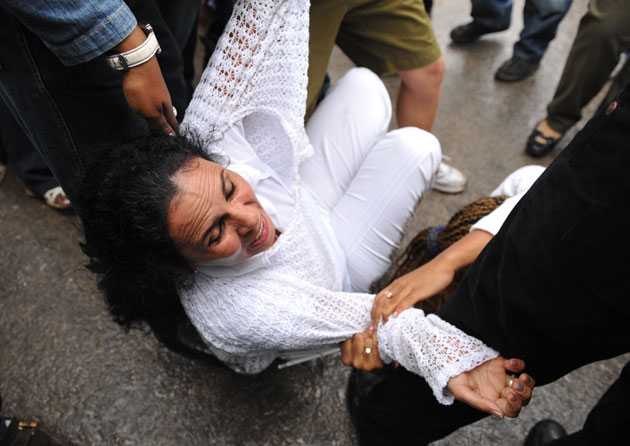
[(539, 145), (55, 198)]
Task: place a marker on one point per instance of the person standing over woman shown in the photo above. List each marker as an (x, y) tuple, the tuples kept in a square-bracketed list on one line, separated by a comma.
[(541, 19), (601, 40), (56, 81)]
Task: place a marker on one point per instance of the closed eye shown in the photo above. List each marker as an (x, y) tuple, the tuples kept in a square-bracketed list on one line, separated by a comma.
[(231, 192)]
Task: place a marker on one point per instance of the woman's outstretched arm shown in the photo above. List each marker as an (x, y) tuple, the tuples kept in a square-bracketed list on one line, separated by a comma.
[(430, 278), (489, 387)]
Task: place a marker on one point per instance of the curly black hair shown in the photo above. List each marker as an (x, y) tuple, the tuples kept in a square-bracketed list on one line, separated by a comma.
[(122, 200)]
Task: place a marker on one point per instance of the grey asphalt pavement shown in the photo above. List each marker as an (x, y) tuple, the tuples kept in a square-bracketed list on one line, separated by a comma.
[(65, 363)]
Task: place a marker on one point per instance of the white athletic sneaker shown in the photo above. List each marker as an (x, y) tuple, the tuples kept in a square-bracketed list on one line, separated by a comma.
[(449, 180)]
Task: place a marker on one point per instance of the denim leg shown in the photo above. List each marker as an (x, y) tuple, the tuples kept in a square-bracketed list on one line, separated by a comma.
[(541, 19), (67, 111), (20, 152), (492, 14)]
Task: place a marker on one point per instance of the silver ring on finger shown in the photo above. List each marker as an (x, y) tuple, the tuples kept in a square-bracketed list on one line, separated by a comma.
[(367, 350), (389, 294), (511, 381)]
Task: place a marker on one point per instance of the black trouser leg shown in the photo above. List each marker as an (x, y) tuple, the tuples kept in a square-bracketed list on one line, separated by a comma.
[(608, 422), (548, 288)]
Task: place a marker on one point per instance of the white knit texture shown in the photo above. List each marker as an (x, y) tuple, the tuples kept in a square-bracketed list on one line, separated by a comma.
[(257, 74)]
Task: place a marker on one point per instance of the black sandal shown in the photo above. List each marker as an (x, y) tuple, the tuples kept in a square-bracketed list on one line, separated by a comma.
[(539, 149)]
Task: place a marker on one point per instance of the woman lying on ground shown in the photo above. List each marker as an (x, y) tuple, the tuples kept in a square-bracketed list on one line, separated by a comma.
[(270, 244)]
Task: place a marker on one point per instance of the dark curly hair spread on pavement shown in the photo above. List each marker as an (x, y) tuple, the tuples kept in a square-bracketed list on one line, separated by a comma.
[(123, 200)]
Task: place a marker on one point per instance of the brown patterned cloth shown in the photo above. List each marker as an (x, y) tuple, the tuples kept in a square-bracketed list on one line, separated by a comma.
[(431, 241)]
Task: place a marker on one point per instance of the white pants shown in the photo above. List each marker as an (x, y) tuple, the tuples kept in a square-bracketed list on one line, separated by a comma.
[(365, 180)]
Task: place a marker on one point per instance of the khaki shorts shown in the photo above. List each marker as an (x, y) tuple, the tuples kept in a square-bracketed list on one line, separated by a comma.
[(386, 36)]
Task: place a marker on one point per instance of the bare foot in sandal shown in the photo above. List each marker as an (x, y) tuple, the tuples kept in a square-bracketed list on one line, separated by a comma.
[(542, 140), (55, 198)]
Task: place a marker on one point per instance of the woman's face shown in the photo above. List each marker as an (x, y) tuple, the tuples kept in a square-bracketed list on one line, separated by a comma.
[(215, 218)]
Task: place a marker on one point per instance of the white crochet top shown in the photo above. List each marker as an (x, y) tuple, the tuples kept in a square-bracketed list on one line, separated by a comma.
[(293, 299)]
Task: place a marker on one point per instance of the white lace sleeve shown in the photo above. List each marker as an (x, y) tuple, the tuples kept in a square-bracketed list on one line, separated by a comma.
[(258, 70), (432, 348), (247, 324), (250, 321)]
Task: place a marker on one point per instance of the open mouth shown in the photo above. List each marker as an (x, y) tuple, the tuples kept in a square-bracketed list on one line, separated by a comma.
[(261, 236)]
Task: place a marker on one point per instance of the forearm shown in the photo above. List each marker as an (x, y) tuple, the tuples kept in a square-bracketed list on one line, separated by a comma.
[(431, 348), (74, 31), (463, 252)]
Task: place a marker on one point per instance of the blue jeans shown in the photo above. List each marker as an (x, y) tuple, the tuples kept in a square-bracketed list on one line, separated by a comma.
[(16, 148), (541, 19), (67, 111)]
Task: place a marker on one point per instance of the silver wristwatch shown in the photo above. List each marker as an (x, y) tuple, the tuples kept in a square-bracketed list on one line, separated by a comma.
[(138, 55)]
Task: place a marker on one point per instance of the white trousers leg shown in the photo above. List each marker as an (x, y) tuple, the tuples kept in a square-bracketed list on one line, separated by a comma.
[(367, 182)]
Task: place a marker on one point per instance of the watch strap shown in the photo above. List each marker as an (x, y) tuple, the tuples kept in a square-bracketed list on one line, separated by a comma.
[(136, 56)]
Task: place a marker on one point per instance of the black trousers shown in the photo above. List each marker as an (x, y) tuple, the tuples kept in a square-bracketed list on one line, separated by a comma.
[(549, 288)]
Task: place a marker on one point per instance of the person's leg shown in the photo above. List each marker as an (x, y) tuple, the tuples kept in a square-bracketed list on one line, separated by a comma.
[(370, 218), (366, 181), (181, 17), (604, 33), (419, 95), (608, 420), (493, 15), (548, 288), (488, 16), (325, 19), (397, 36), (21, 153), (541, 19), (352, 117), (621, 80)]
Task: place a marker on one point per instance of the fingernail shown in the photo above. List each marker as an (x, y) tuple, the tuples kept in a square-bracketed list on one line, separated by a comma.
[(515, 362), (171, 133), (519, 387), (497, 414), (395, 314), (372, 327)]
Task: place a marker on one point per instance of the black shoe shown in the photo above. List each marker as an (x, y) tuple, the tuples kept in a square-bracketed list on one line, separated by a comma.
[(544, 432), (470, 32), (515, 69), (538, 149)]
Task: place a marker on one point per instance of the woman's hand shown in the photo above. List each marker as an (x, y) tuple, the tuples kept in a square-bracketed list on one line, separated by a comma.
[(361, 352), (486, 387), (413, 287), (430, 278)]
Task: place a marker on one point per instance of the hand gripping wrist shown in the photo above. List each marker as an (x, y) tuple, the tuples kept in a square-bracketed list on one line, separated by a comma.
[(138, 55)]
